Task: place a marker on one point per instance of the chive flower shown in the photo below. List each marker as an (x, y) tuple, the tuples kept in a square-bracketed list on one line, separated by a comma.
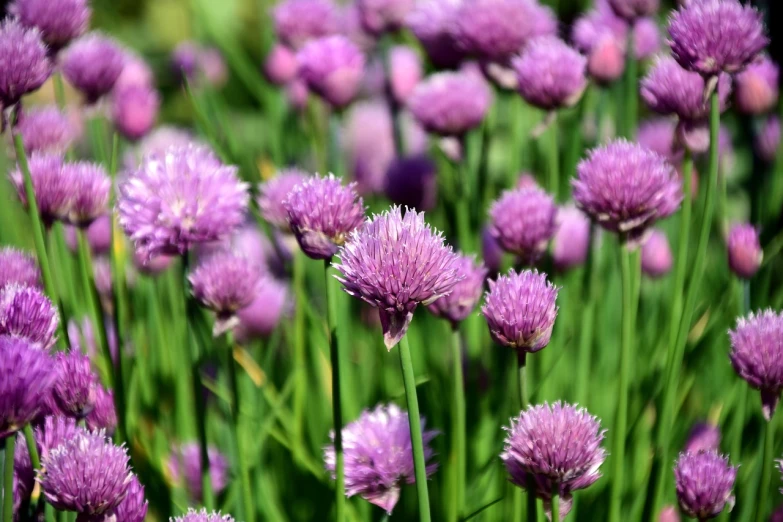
[(450, 103), (59, 21), (703, 437), (26, 313), (18, 267), (202, 516), (523, 222), (460, 303), (45, 129), (571, 242), (756, 87), (550, 74), (704, 481), (299, 21), (657, 257), (333, 68), (24, 64), (75, 390), (272, 195), (184, 467), (744, 250), (92, 64)]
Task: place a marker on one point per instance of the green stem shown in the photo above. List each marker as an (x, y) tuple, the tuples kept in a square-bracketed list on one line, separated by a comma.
[(524, 401), (554, 159), (8, 479), (394, 107), (337, 411), (419, 463), (300, 390), (459, 423), (333, 155), (59, 90), (766, 471), (738, 423), (631, 88), (586, 328), (555, 505)]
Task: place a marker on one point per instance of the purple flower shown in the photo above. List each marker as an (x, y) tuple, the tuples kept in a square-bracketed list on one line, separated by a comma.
[(646, 38), (273, 194), (185, 60), (134, 110), (658, 135), (103, 416), (299, 21), (18, 268), (213, 67), (59, 21), (757, 355), (379, 16), (744, 250), (433, 22), (87, 474), (260, 318), (458, 305), (98, 236), (669, 514), (656, 255), (280, 65), (756, 88), (26, 378), (202, 516), (571, 242), (626, 188), (395, 263), (406, 72), (768, 139), (45, 129), (24, 64), (322, 213), (91, 187), (703, 437), (185, 465), (557, 447), (75, 390), (710, 36), (180, 198), (133, 507), (491, 251), (550, 74), (412, 182), (633, 9), (379, 456), (704, 481), (157, 142), (332, 67), (92, 64), (520, 310), (523, 222), (26, 313), (450, 103), (53, 192)]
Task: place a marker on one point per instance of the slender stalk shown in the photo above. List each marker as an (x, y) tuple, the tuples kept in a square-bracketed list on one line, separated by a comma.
[(586, 329), (765, 479), (419, 464), (555, 506), (631, 88), (739, 417), (59, 90), (459, 423), (554, 159), (35, 461), (337, 407), (524, 401), (394, 107), (8, 479), (93, 303), (300, 390)]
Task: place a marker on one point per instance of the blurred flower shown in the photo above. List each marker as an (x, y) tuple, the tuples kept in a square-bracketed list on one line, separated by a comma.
[(260, 318), (601, 35), (460, 303), (757, 355), (135, 72), (333, 68), (185, 59), (744, 250), (704, 481), (26, 377), (133, 507), (59, 21), (322, 213), (272, 195), (379, 16), (185, 465), (396, 263), (134, 110), (18, 268), (433, 22), (703, 437), (626, 188), (103, 416), (669, 514), (379, 455), (26, 313), (571, 242), (24, 64), (554, 447), (523, 221), (491, 251), (350, 25), (658, 135), (90, 185), (412, 182), (713, 36), (768, 139), (280, 65), (75, 390), (633, 9), (92, 64), (298, 21), (157, 142), (656, 255), (202, 516), (406, 72), (646, 37), (777, 516), (606, 62), (98, 235), (756, 87), (180, 198), (450, 103), (297, 94), (213, 67), (550, 74), (45, 129)]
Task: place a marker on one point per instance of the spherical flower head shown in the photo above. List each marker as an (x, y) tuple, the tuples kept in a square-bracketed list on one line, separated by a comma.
[(658, 135), (134, 110), (704, 481), (523, 221), (260, 318), (332, 67), (133, 507), (379, 455), (98, 236), (460, 303), (157, 142), (433, 23), (87, 474), (710, 36), (45, 129), (756, 87), (626, 188), (103, 416), (185, 465), (181, 198), (27, 377), (379, 16), (646, 38), (450, 103), (322, 212), (280, 65), (703, 437), (92, 64), (26, 313), (768, 139), (656, 255), (273, 194), (299, 21), (744, 250), (91, 188), (412, 181), (53, 192), (75, 390), (24, 63), (18, 267), (633, 9), (202, 516), (756, 355), (606, 61), (550, 74), (571, 242), (557, 447), (59, 22), (395, 263)]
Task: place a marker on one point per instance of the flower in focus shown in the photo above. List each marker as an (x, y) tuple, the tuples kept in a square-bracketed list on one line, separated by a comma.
[(626, 188), (633, 9), (460, 303), (92, 64), (134, 110), (768, 139), (26, 313), (133, 507), (756, 87), (656, 255), (59, 22), (280, 65), (260, 318), (704, 481), (45, 129), (103, 416), (744, 250), (273, 194), (19, 268), (703, 437), (412, 182), (91, 186), (550, 74), (379, 455), (332, 67), (185, 465), (299, 21), (322, 213), (571, 242), (433, 22), (450, 103), (202, 516), (24, 64), (523, 222), (378, 16), (395, 263), (554, 447)]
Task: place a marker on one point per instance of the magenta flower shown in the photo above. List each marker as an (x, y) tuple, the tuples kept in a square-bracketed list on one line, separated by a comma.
[(756, 88), (280, 65), (133, 507), (379, 456), (75, 391), (523, 221), (157, 142), (395, 263), (24, 64), (202, 516), (185, 465), (768, 139), (571, 242), (657, 257), (299, 21), (98, 236), (91, 188), (703, 437), (332, 67), (406, 72), (744, 250), (26, 313), (45, 129), (633, 9), (433, 22), (647, 38), (379, 16), (450, 103), (460, 303), (270, 303), (550, 74), (659, 136), (103, 416), (59, 21), (134, 110), (92, 64), (704, 481), (18, 268), (272, 195)]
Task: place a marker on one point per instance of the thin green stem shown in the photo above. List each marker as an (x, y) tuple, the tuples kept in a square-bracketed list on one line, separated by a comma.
[(8, 479), (765, 479), (59, 90), (337, 407), (631, 88), (419, 463), (459, 423), (554, 159), (555, 506), (586, 328), (524, 401), (300, 390), (738, 422)]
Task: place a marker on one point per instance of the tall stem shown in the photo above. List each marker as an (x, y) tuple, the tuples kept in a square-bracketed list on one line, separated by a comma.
[(738, 422), (554, 159), (524, 401), (631, 90), (300, 389), (394, 107), (59, 90), (8, 479), (766, 471), (337, 409), (459, 422), (419, 463), (586, 331)]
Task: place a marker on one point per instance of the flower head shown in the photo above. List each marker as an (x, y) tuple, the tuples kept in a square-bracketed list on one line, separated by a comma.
[(633, 9), (91, 187), (756, 88), (703, 437), (658, 135), (433, 23), (18, 267), (626, 188), (378, 16), (185, 465), (75, 391), (523, 222), (450, 103), (395, 263), (704, 481), (157, 142), (59, 22), (299, 21), (744, 250), (571, 242), (134, 110), (45, 129), (322, 212), (53, 192), (550, 74), (92, 64), (280, 65), (379, 456), (24, 64), (133, 507), (557, 447), (202, 516), (768, 139), (460, 303), (332, 67), (26, 313), (272, 195), (412, 181), (259, 318), (656, 255), (103, 416), (647, 38)]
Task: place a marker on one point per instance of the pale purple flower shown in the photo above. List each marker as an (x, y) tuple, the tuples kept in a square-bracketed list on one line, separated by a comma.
[(523, 221), (379, 455), (271, 301), (185, 60), (704, 436), (213, 66), (659, 135), (184, 468), (272, 195), (26, 313), (768, 139), (299, 21), (550, 74), (134, 110), (669, 514), (450, 103), (297, 94), (103, 416), (756, 87), (406, 72), (460, 303), (133, 507), (554, 447), (713, 36), (75, 390), (202, 516), (626, 188), (53, 192), (24, 64), (744, 250), (19, 268), (657, 259), (92, 64), (180, 198), (600, 34), (777, 516), (91, 187), (332, 67), (433, 22), (135, 72), (280, 65), (646, 38), (45, 129), (571, 242), (412, 182), (98, 235), (633, 9), (157, 142), (322, 213), (59, 21), (395, 263), (704, 481), (379, 16)]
